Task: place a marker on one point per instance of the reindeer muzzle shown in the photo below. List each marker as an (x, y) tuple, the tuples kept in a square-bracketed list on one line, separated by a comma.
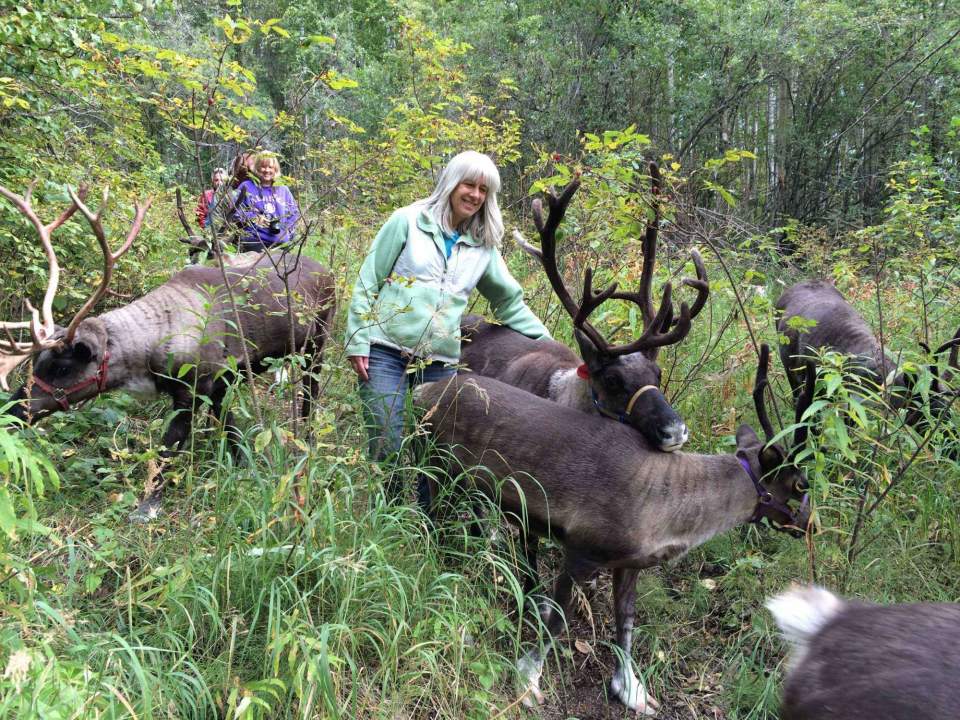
[(769, 507)]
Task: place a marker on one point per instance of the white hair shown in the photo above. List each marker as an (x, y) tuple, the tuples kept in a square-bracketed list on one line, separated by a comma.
[(486, 225)]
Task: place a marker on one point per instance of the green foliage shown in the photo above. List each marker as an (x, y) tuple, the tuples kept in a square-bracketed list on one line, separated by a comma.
[(283, 585), (25, 475)]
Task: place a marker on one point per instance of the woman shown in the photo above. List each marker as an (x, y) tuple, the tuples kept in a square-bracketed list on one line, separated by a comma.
[(266, 213), (208, 199), (413, 288)]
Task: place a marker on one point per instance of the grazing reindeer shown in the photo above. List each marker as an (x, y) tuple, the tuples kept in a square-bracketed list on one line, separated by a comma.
[(858, 661), (623, 381), (838, 327), (176, 339), (841, 328), (605, 495)]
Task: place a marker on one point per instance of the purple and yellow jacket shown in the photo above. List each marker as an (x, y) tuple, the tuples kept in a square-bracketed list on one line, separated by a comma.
[(257, 206)]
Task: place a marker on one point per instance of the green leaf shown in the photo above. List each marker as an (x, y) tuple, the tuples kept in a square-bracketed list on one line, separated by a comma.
[(8, 519), (262, 440), (92, 582)]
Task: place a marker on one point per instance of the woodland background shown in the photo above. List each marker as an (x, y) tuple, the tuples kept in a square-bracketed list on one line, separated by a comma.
[(799, 139)]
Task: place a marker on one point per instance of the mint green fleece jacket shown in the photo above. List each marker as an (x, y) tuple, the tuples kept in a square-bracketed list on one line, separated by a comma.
[(409, 296)]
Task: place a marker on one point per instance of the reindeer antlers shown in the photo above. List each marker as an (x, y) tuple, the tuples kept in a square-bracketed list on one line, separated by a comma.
[(759, 387), (41, 324), (13, 352), (109, 258), (656, 326), (660, 328)]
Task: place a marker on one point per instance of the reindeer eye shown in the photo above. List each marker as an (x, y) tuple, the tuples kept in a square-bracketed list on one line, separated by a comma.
[(614, 382)]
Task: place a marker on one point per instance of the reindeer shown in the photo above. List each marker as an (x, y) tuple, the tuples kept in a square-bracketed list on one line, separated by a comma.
[(841, 328), (605, 495), (176, 339), (621, 382), (859, 661)]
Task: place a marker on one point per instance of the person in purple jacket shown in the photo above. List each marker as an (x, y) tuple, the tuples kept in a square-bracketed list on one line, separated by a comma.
[(267, 213)]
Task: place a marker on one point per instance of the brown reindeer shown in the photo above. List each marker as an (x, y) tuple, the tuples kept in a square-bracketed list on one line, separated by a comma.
[(859, 661), (177, 339), (608, 498), (840, 328), (623, 381)]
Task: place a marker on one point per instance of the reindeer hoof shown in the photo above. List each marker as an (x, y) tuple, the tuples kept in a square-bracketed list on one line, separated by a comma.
[(530, 668), (147, 511), (629, 690)]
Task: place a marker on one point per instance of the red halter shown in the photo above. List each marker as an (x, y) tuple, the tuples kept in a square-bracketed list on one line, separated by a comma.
[(62, 395)]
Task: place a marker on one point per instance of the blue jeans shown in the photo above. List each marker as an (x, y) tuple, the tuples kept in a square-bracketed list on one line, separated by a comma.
[(384, 403)]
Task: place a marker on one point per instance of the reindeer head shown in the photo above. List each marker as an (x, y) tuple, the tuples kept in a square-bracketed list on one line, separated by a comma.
[(771, 466), (69, 372), (624, 379), (69, 364), (631, 384)]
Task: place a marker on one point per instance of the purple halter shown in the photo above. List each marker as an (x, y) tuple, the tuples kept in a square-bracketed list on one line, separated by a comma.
[(765, 499)]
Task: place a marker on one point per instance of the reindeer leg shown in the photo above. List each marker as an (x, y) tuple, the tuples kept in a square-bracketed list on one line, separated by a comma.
[(530, 666), (531, 548), (314, 350), (173, 439), (626, 686), (229, 423)]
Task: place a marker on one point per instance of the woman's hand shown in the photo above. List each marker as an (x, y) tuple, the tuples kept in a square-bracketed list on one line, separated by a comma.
[(360, 363)]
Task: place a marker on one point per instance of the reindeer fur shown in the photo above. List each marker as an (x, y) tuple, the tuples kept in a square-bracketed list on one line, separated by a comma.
[(188, 320), (838, 327), (598, 488), (549, 369), (858, 661)]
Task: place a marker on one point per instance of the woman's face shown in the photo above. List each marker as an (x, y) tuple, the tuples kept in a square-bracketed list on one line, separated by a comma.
[(218, 179), (267, 172), (466, 199)]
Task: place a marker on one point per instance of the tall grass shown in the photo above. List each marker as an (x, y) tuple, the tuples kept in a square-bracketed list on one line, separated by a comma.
[(248, 599)]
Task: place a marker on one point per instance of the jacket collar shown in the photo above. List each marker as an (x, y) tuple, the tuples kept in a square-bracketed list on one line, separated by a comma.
[(426, 223)]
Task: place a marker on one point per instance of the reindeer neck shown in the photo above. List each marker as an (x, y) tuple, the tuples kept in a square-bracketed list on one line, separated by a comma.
[(689, 499), (159, 323), (569, 389)]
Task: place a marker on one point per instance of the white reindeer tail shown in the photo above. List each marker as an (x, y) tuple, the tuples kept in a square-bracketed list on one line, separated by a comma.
[(802, 611)]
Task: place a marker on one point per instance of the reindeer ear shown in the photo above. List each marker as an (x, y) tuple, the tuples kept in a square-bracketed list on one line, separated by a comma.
[(90, 341), (81, 351), (747, 440), (749, 446), (588, 351), (772, 457)]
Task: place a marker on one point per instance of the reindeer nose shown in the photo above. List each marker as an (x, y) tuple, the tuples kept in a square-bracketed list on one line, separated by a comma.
[(673, 436)]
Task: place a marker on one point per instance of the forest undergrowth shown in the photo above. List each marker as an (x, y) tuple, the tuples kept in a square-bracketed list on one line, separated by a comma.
[(280, 583), (796, 140)]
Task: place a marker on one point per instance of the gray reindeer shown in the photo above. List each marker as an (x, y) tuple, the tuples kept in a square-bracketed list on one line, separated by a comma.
[(623, 381), (859, 661), (839, 327), (176, 339), (605, 495)]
